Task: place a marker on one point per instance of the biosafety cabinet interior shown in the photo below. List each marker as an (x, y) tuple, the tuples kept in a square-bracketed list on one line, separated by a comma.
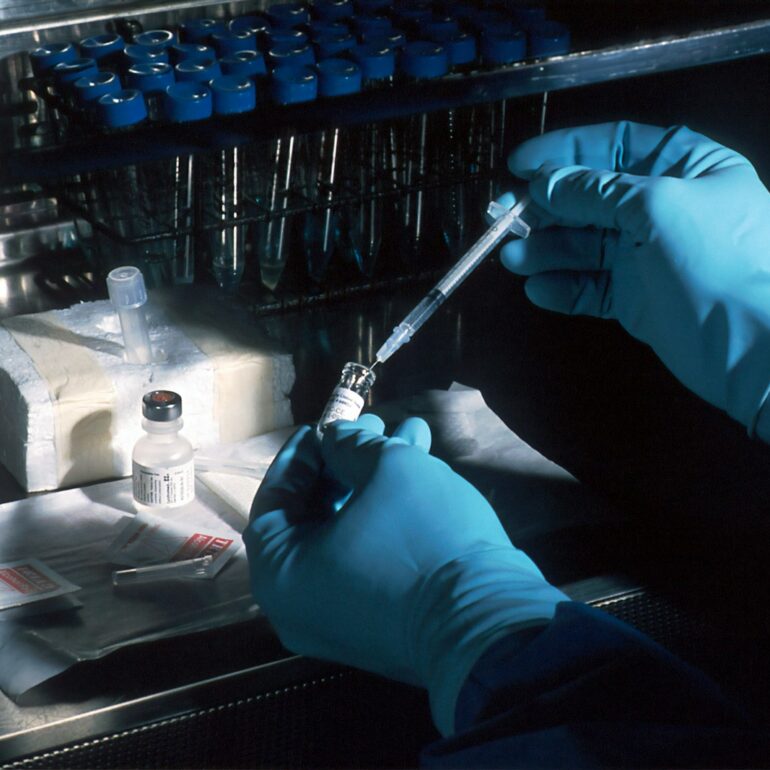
[(317, 220)]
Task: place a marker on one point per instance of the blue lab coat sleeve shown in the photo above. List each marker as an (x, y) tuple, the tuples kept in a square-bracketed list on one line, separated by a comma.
[(587, 690)]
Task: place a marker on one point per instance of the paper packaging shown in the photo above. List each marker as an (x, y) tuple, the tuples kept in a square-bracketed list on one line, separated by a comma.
[(29, 580), (72, 407)]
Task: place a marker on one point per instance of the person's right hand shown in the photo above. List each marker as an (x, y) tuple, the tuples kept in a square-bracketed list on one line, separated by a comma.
[(667, 232)]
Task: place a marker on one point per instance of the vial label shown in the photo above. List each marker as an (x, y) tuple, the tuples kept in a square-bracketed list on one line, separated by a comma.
[(343, 404), (164, 486)]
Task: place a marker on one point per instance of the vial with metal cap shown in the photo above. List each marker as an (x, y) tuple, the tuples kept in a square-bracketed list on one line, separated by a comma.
[(349, 396), (162, 461)]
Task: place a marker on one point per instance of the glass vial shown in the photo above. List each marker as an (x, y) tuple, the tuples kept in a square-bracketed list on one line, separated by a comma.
[(162, 460), (348, 398)]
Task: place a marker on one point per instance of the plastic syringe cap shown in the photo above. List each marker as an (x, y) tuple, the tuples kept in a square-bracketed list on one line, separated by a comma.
[(337, 77), (292, 85), (233, 94), (123, 108), (424, 59), (156, 39), (548, 38), (377, 60), (248, 63), (150, 77), (186, 102), (46, 57), (99, 46), (162, 405), (92, 87), (125, 286), (197, 71)]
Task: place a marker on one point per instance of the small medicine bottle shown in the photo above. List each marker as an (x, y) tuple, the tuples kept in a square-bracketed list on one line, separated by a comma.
[(348, 398), (163, 465)]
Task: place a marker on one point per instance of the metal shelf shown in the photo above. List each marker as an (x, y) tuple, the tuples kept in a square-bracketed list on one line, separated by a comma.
[(153, 142)]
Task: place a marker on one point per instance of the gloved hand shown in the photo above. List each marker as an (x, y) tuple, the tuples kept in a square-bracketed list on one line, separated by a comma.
[(667, 232), (408, 573)]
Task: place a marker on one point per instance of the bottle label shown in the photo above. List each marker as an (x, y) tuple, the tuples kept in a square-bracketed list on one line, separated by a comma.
[(164, 486), (344, 404)]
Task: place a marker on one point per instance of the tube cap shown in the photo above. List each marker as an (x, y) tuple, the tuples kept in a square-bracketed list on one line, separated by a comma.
[(228, 43), (332, 10), (99, 46), (123, 108), (373, 7), (503, 47), (337, 77), (67, 72), (191, 52), (156, 39), (232, 94), (292, 85), (334, 44), (440, 28), (549, 38), (377, 60), (138, 53), (197, 71), (259, 25), (295, 36), (126, 288), (150, 77), (424, 59), (394, 38), (188, 101), (161, 405), (248, 63), (91, 87), (48, 56), (288, 14), (199, 30), (461, 49), (319, 28), (372, 25), (282, 54), (411, 16)]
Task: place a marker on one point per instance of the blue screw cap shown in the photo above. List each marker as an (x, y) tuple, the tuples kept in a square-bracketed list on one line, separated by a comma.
[(250, 64), (333, 10), (334, 45), (135, 53), (395, 39), (337, 77), (439, 28), (259, 25), (156, 39), (424, 59), (91, 87), (228, 43), (233, 94), (372, 25), (189, 101), (200, 30), (373, 7), (67, 72), (461, 49), (319, 27), (288, 14), (483, 20), (150, 77), (503, 47), (123, 108), (292, 85), (280, 36), (98, 47), (191, 52), (282, 54), (549, 38), (194, 71), (377, 60), (48, 56)]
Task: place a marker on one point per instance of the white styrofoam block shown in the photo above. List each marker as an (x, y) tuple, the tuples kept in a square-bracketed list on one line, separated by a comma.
[(71, 407)]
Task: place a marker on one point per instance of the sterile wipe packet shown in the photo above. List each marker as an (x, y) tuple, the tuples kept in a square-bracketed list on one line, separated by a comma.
[(148, 539), (29, 580)]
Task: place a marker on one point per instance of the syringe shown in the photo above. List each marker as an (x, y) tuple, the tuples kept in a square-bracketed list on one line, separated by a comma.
[(507, 221)]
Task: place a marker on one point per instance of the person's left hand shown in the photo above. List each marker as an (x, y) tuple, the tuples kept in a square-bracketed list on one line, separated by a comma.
[(370, 552)]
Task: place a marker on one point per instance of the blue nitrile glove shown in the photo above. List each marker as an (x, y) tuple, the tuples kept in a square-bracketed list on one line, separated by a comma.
[(413, 577), (667, 232)]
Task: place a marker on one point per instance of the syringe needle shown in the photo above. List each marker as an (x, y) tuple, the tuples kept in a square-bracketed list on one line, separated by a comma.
[(507, 221)]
